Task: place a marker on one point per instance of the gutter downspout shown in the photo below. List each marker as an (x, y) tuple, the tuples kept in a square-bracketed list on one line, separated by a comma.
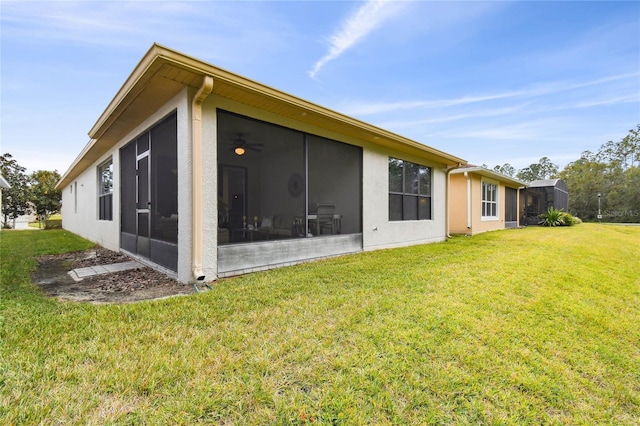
[(466, 175), (196, 179)]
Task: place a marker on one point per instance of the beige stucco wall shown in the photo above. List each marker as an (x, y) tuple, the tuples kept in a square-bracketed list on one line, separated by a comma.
[(458, 205), (478, 223)]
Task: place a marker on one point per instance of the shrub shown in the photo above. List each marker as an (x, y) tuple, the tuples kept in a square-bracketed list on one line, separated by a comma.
[(555, 217), (567, 219), (552, 217), (53, 224)]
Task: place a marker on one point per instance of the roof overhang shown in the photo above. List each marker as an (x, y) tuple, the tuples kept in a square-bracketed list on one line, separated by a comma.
[(489, 174), (163, 73), (3, 183)]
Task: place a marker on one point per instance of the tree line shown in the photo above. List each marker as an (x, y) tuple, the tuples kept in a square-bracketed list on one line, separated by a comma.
[(28, 193), (606, 181)]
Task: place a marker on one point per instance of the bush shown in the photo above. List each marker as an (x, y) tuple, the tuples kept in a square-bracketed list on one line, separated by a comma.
[(570, 220), (53, 224), (555, 217), (552, 217), (567, 219)]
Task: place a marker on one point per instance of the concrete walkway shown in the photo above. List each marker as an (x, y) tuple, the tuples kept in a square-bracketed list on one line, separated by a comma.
[(81, 273)]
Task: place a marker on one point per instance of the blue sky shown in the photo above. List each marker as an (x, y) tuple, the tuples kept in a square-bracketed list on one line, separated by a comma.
[(491, 82)]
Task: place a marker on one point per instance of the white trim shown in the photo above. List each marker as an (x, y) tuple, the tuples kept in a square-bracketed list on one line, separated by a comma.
[(99, 169), (484, 218)]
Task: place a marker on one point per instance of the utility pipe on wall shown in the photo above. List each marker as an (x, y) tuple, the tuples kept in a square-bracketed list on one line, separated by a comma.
[(196, 183)]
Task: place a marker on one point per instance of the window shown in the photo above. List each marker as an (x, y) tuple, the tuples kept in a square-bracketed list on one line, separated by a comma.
[(105, 190), (489, 200), (409, 191)]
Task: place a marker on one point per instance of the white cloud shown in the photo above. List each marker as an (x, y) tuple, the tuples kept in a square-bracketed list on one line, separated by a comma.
[(357, 26), (434, 119), (634, 98), (369, 108), (363, 108), (91, 23)]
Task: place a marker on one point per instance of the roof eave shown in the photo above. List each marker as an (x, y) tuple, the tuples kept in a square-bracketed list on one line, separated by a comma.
[(490, 174), (3, 183), (158, 56)]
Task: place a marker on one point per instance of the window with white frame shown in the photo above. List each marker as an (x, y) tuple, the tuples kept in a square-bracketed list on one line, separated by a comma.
[(489, 200), (105, 190)]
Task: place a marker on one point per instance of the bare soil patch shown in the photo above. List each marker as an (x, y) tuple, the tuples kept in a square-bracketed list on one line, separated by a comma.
[(134, 285)]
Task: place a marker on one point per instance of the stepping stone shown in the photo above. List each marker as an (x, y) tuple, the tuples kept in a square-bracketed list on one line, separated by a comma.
[(79, 274)]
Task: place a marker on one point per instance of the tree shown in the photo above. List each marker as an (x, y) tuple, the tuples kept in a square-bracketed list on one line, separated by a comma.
[(585, 179), (15, 200), (45, 198), (614, 173), (625, 153), (544, 169), (506, 169)]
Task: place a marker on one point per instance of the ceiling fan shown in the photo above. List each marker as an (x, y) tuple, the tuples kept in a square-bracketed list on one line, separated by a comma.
[(240, 145)]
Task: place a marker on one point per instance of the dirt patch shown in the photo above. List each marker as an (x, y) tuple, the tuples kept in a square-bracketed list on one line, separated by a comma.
[(133, 285)]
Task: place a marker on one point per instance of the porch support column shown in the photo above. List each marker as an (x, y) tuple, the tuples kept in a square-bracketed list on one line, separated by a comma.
[(196, 183)]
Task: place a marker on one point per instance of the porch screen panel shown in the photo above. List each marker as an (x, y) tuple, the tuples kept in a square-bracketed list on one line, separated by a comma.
[(270, 203), (164, 181), (511, 205), (128, 188), (335, 187)]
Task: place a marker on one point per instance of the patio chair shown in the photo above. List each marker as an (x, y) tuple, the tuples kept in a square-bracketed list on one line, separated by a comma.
[(324, 221)]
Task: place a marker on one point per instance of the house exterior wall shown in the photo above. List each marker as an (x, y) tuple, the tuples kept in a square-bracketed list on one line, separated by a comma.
[(377, 231), (480, 224), (81, 217), (80, 206), (80, 197), (458, 205)]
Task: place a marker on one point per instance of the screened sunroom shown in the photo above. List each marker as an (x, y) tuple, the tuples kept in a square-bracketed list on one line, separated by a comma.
[(277, 185), (541, 195)]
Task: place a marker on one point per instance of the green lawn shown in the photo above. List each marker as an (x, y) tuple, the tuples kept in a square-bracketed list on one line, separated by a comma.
[(38, 224), (532, 326)]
